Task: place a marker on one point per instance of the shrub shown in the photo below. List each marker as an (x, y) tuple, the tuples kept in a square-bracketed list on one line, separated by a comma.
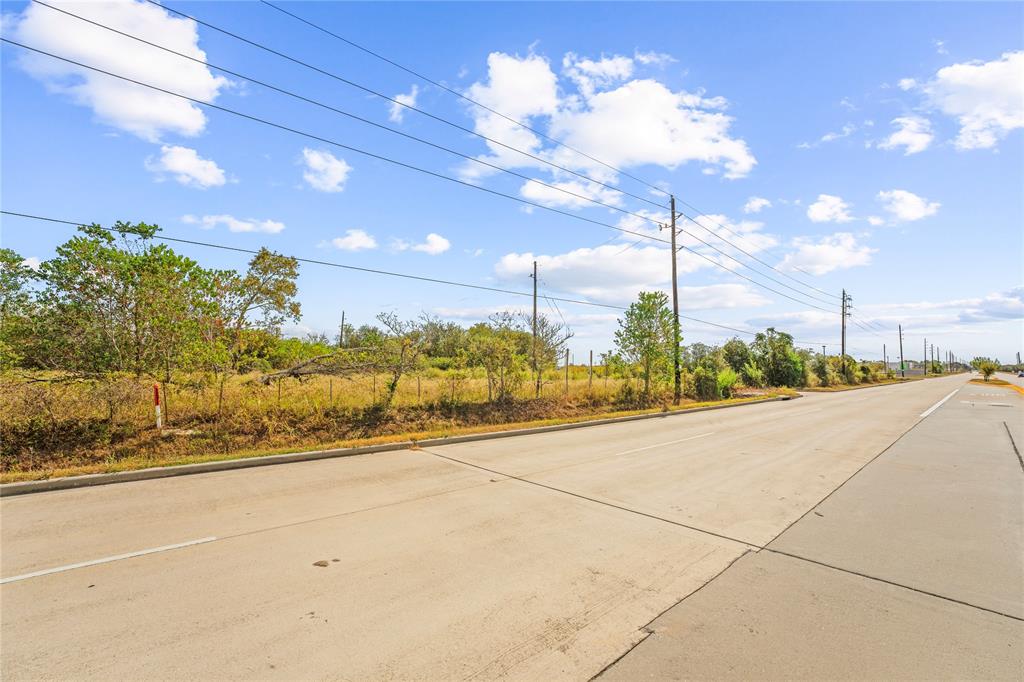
[(705, 384), (727, 379), (752, 375)]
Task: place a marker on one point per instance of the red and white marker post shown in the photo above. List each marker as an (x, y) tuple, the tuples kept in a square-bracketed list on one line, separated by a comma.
[(156, 404)]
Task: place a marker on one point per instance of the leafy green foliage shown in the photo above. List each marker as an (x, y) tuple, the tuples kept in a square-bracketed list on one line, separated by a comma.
[(782, 365), (727, 381), (645, 338)]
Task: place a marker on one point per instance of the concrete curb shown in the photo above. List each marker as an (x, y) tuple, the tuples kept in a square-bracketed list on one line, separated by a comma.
[(889, 383), (88, 480)]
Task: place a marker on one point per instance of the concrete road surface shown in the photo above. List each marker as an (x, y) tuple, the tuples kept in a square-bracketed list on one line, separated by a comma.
[(912, 570), (534, 557)]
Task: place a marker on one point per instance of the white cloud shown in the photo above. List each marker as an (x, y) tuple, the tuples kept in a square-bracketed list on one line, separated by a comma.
[(847, 130), (907, 84), (755, 204), (324, 171), (644, 122), (32, 262), (914, 134), (589, 75), (718, 296), (940, 46), (987, 98), (653, 58), (397, 111), (623, 120), (354, 240), (208, 222), (133, 108), (829, 209), (907, 206), (995, 306), (876, 220), (582, 189), (187, 167), (835, 252), (434, 245)]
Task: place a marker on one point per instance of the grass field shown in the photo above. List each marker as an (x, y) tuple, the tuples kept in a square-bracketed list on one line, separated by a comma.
[(54, 428)]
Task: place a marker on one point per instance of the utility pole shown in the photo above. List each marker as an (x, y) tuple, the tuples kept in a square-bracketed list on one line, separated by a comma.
[(845, 314), (823, 351), (677, 392), (903, 371), (536, 367), (341, 332), (926, 356), (885, 359)]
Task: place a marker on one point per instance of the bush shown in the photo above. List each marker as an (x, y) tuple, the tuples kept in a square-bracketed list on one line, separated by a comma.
[(727, 379), (752, 375), (705, 384)]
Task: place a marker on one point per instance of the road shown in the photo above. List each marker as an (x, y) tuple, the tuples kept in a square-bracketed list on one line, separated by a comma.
[(535, 557)]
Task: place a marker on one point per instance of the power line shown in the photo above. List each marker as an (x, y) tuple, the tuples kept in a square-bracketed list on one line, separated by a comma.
[(335, 143), (356, 117), (558, 142), (744, 251), (388, 273), (462, 96), (422, 170), (454, 152), (769, 277), (740, 236), (405, 105)]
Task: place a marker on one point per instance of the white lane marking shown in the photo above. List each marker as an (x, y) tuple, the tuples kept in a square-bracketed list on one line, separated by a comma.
[(938, 404), (105, 560), (659, 445)]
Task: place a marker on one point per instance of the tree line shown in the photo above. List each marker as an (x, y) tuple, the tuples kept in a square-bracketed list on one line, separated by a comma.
[(115, 301)]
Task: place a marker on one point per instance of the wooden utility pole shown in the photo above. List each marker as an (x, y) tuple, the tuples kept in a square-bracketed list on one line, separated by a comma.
[(844, 314), (536, 367), (341, 332), (677, 392), (903, 371)]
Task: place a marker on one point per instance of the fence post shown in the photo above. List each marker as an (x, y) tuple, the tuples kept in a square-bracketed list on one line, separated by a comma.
[(566, 371), (156, 404)]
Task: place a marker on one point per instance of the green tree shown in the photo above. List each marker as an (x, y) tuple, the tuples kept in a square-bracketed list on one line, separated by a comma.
[(16, 306), (774, 353), (645, 338), (121, 305), (736, 354)]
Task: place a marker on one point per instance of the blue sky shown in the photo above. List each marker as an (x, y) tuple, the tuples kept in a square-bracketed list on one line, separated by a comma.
[(876, 147)]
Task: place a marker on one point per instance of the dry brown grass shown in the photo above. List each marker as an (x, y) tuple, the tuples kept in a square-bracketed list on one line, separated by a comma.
[(52, 429)]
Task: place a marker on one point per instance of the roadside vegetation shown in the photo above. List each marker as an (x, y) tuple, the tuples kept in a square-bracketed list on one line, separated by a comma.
[(86, 335)]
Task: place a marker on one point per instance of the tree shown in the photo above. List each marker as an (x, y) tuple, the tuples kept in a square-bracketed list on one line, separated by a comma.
[(262, 299), (16, 306), (645, 337), (552, 338), (782, 366), (120, 306), (986, 366), (736, 354), (501, 348)]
